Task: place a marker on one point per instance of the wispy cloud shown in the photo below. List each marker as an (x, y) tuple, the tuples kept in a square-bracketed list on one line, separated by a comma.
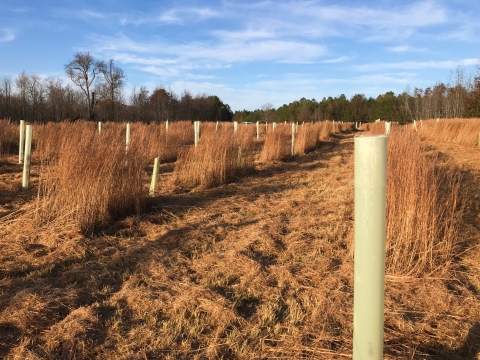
[(171, 72), (336, 60), (416, 65), (182, 15), (371, 23), (467, 31), (20, 9), (81, 14), (175, 16), (244, 35), (206, 54), (305, 18), (405, 49), (317, 81), (6, 34)]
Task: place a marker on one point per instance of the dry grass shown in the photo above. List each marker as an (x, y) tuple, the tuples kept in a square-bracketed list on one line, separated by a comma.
[(376, 128), (92, 179), (157, 142), (219, 156), (423, 210), (326, 130), (346, 127), (257, 268), (9, 137), (458, 131), (49, 137), (278, 144), (307, 138)]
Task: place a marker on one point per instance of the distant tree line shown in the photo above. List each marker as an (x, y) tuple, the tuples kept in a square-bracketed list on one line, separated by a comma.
[(97, 94), (460, 98)]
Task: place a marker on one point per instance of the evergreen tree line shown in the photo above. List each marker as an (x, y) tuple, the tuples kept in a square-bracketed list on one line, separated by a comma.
[(97, 94), (459, 98)]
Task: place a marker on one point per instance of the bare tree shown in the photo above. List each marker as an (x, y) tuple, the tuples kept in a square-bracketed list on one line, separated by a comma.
[(56, 95), (83, 70), (6, 92), (21, 82), (267, 109), (139, 101), (113, 82), (35, 93)]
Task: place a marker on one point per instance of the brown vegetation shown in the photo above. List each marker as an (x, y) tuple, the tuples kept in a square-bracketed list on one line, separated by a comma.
[(257, 268), (9, 135), (457, 131), (157, 142), (423, 208), (278, 143), (219, 156), (92, 178)]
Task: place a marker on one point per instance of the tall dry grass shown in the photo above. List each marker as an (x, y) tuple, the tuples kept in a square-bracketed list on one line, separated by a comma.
[(346, 127), (49, 137), (91, 178), (307, 138), (376, 128), (459, 131), (157, 142), (9, 137), (423, 209), (219, 155), (278, 144), (326, 130)]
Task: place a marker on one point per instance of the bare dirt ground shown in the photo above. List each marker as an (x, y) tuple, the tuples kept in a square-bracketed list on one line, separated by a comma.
[(260, 268)]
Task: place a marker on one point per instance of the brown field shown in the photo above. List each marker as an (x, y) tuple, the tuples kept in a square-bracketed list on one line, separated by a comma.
[(247, 256)]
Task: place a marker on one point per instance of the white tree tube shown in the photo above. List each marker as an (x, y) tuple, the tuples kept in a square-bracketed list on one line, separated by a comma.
[(293, 138), (27, 158), (127, 136), (370, 171), (153, 184), (21, 146)]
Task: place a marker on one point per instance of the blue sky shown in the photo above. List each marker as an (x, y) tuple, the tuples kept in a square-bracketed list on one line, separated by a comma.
[(249, 52)]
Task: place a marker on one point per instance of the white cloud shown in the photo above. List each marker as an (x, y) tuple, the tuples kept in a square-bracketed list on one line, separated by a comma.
[(127, 58), (244, 35), (177, 16), (317, 81), (416, 65), (82, 14), (466, 31), (372, 23), (21, 9), (182, 15), (122, 43), (405, 48), (419, 14), (6, 34), (208, 53), (336, 60)]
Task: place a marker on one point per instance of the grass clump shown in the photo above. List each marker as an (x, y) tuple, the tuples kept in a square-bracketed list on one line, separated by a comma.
[(219, 156), (93, 179), (422, 208), (307, 138), (9, 135), (277, 144), (459, 131)]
